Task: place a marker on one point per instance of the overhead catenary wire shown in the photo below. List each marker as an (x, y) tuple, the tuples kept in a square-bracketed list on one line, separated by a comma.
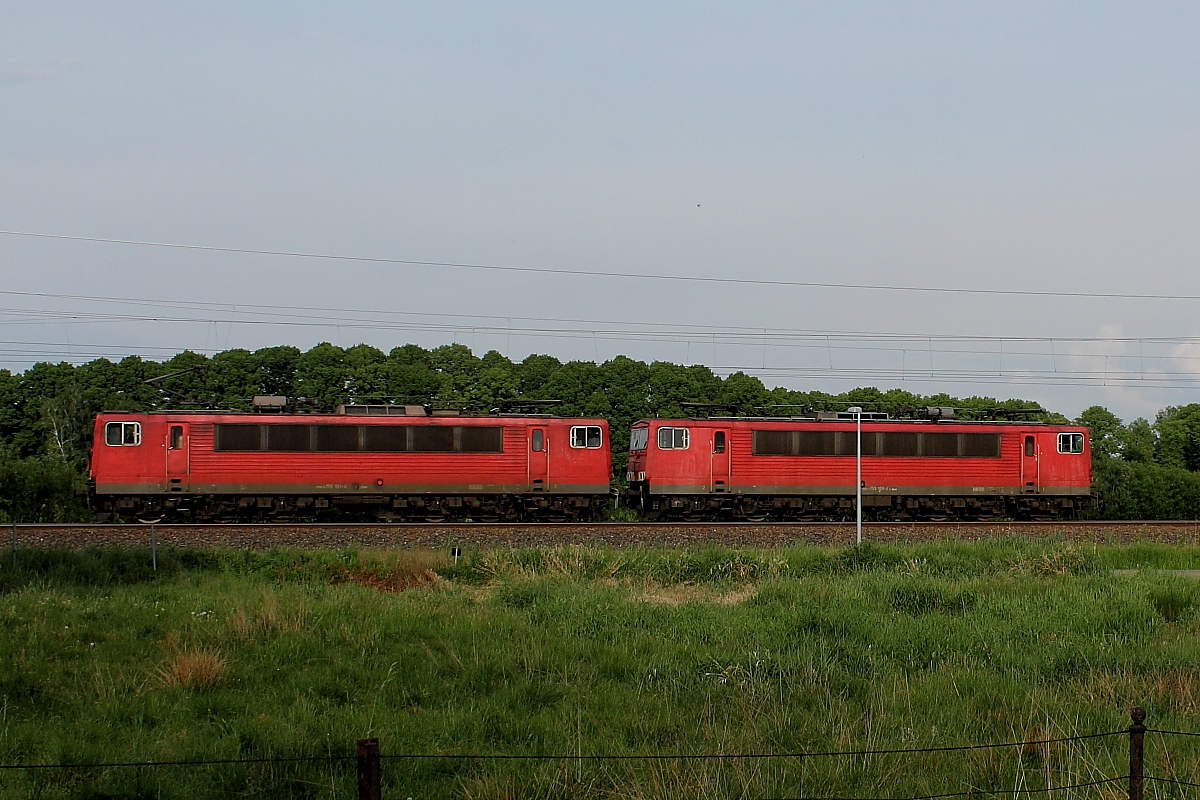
[(785, 339), (607, 273), (681, 334), (335, 315), (1022, 377)]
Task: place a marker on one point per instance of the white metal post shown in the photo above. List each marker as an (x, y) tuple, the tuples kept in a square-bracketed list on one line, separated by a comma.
[(857, 412)]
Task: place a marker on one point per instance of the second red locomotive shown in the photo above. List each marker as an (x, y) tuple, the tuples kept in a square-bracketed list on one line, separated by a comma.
[(398, 461), (804, 468)]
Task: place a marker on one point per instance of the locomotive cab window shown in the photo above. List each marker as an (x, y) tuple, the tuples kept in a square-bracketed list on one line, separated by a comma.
[(123, 433), (585, 436), (672, 438), (1029, 445), (538, 440), (638, 438), (1070, 443), (176, 437), (719, 441)]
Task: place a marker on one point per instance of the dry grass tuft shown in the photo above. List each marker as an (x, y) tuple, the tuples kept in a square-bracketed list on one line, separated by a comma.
[(678, 594), (578, 561), (411, 570), (1066, 560), (1035, 749), (269, 619), (193, 668), (1178, 689)]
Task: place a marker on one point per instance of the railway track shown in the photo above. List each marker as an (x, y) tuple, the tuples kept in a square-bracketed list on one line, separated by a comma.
[(614, 534)]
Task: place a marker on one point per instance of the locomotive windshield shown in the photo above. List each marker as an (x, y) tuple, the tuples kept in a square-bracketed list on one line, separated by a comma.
[(638, 438)]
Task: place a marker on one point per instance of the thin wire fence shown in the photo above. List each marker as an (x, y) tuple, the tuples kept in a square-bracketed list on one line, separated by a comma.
[(369, 760)]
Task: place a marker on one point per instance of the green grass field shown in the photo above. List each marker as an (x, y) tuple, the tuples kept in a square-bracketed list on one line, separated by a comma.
[(589, 651)]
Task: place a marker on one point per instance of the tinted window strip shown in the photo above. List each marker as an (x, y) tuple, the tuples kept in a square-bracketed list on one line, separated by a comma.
[(891, 444), (239, 437)]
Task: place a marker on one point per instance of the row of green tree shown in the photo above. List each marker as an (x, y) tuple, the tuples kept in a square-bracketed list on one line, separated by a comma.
[(1145, 470)]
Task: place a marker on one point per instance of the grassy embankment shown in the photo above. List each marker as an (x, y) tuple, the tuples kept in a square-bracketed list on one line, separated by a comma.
[(563, 651)]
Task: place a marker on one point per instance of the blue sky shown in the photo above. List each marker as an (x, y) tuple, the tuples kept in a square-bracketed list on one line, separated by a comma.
[(1035, 146)]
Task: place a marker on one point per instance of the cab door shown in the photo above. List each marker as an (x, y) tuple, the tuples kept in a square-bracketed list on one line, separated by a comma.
[(1030, 473), (178, 461), (720, 460), (539, 459)]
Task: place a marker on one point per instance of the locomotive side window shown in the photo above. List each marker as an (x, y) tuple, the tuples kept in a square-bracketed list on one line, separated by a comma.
[(980, 445), (287, 438), (588, 436), (385, 438), (719, 442), (433, 439), (123, 433), (815, 443), (847, 443), (941, 445), (176, 437), (336, 438), (238, 438), (479, 439), (1070, 443), (672, 438), (771, 443), (1029, 445), (875, 443), (638, 438), (794, 443), (539, 440), (359, 438), (899, 444)]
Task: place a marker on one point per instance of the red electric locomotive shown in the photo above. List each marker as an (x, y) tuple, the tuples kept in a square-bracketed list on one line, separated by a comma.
[(804, 468), (398, 461)]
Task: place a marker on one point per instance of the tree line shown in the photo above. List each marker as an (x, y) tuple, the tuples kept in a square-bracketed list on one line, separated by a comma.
[(46, 411), (1144, 469)]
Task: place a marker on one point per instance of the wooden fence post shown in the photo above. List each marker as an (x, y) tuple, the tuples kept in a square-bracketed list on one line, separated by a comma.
[(1137, 732), (368, 769)]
